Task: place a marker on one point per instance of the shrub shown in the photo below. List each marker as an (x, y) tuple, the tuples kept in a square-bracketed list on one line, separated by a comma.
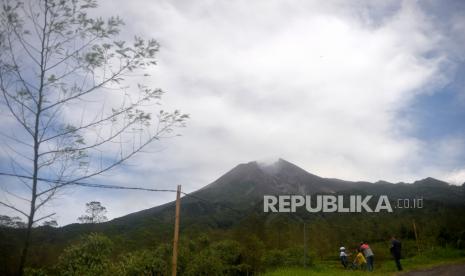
[(293, 256), (88, 257), (273, 258), (141, 263), (207, 262), (34, 272), (231, 254)]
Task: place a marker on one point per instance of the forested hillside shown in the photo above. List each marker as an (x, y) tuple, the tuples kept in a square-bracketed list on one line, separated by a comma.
[(226, 217)]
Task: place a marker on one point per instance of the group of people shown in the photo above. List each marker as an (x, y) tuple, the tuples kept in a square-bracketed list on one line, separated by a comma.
[(364, 257)]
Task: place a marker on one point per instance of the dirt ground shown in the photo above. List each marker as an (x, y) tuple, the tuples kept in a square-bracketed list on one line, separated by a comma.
[(446, 270)]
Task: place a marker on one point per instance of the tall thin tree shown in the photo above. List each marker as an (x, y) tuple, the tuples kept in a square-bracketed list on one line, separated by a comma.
[(95, 213), (74, 102)]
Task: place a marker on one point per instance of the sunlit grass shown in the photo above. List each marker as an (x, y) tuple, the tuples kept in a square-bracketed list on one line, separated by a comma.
[(387, 267)]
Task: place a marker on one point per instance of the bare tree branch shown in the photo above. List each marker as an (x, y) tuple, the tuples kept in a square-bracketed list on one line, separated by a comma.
[(14, 208), (105, 119), (69, 59), (93, 88), (44, 217)]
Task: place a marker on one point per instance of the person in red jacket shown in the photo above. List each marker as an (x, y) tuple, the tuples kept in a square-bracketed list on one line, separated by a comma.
[(368, 253)]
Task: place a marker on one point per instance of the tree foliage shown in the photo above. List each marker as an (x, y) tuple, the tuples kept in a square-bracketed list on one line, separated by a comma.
[(243, 250), (50, 223), (13, 222), (89, 257), (76, 97), (143, 262), (95, 213)]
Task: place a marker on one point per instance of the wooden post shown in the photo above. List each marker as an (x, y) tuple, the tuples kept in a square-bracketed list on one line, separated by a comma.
[(305, 246), (416, 236), (176, 232)]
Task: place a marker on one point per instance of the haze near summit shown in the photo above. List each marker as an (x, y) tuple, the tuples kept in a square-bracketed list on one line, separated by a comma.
[(365, 91)]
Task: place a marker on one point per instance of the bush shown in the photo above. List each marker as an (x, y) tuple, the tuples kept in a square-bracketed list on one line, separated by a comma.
[(273, 258), (88, 257), (293, 256), (34, 272), (141, 263), (207, 262), (221, 258), (231, 254), (253, 253)]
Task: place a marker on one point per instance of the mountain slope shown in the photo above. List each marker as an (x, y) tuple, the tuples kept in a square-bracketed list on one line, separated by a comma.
[(243, 187), (235, 200)]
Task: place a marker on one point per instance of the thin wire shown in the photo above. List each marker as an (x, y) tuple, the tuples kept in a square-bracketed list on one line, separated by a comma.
[(117, 187)]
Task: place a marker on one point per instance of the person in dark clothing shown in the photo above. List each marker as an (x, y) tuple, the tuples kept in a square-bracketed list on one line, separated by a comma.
[(396, 248)]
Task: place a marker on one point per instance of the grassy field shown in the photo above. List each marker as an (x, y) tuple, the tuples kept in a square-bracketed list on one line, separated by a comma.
[(387, 267)]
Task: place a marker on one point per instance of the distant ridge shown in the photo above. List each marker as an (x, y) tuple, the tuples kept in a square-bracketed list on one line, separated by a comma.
[(243, 188)]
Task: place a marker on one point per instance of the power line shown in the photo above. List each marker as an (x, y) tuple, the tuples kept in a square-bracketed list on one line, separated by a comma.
[(118, 187)]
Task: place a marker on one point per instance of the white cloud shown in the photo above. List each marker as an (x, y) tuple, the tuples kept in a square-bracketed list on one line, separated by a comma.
[(319, 86), (456, 177), (317, 83)]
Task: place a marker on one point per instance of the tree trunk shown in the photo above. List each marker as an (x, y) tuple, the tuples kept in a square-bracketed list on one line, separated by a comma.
[(25, 250), (36, 135)]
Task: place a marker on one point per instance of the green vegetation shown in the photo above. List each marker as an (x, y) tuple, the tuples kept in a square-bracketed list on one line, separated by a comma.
[(220, 241), (94, 255), (257, 244), (58, 55), (427, 259)]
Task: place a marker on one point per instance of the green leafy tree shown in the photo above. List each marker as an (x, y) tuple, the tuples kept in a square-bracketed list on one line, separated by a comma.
[(95, 213), (274, 258), (143, 262), (67, 84), (206, 262), (231, 253), (253, 252), (50, 223), (35, 272), (12, 222), (88, 257)]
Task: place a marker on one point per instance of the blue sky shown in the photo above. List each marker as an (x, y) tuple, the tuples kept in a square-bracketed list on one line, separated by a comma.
[(358, 90), (442, 113)]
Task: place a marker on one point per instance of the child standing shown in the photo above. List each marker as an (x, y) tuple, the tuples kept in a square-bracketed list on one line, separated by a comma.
[(359, 260), (343, 256)]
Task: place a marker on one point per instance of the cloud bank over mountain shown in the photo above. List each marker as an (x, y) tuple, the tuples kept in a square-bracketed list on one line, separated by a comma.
[(325, 84)]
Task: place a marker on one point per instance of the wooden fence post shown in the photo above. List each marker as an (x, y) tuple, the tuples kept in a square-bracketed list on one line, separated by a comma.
[(176, 232), (416, 236)]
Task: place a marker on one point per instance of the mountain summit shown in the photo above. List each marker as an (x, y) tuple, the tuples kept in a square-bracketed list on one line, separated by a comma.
[(248, 182), (243, 187)]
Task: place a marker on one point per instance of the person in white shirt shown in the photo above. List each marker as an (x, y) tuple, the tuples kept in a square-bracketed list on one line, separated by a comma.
[(343, 256)]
